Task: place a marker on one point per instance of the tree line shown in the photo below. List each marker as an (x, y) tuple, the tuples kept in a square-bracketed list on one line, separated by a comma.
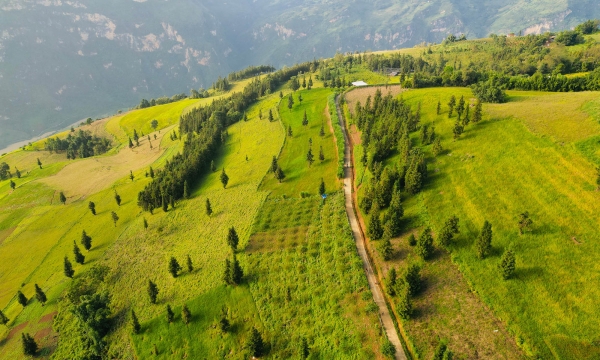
[(161, 101), (250, 71), (81, 145)]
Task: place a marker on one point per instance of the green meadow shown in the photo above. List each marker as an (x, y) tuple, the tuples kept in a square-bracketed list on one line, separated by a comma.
[(530, 154)]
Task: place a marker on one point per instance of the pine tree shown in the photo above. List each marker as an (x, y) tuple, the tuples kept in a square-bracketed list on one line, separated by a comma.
[(208, 208), (186, 314), (386, 249), (130, 144), (374, 229), (135, 135), (131, 175), (274, 164), (507, 263), (279, 175), (461, 106), (213, 168), (227, 273), (172, 201), (170, 314), (451, 105), (290, 102), (92, 207), (310, 82), (457, 130), (79, 258), (232, 239), (260, 114), (300, 98), (145, 224), (440, 350), (12, 184), (525, 222), (30, 347), (290, 133), (304, 82), (391, 282), (3, 319), (165, 204), (322, 131), (118, 198), (135, 324), (437, 147), (478, 113), (321, 155), (39, 163), (304, 119), (17, 173), (448, 231), (412, 279), (483, 244), (271, 115), (303, 349), (439, 107), (186, 191), (224, 179), (174, 267), (310, 157), (62, 198), (425, 244), (412, 241), (245, 118), (413, 180), (68, 268), (115, 217), (404, 304), (255, 344), (22, 299), (322, 187), (281, 94), (152, 291), (236, 271)]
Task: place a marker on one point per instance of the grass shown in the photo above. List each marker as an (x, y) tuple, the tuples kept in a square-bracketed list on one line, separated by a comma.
[(307, 280), (299, 176), (497, 170)]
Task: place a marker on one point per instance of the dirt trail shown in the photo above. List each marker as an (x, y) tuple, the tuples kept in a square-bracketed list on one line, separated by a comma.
[(359, 239)]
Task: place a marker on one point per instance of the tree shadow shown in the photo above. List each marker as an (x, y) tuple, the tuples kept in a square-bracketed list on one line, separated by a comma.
[(528, 273)]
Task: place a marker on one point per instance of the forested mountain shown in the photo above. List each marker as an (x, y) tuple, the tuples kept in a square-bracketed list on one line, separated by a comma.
[(61, 61)]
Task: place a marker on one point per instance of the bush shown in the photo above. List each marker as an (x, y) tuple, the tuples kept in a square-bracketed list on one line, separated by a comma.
[(388, 349), (569, 38), (489, 91)]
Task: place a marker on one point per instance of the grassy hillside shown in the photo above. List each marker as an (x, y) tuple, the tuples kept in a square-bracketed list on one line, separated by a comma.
[(523, 157)]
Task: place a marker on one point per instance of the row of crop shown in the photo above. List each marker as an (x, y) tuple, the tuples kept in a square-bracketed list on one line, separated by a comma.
[(337, 132)]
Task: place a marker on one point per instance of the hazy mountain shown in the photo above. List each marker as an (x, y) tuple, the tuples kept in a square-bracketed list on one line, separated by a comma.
[(64, 60)]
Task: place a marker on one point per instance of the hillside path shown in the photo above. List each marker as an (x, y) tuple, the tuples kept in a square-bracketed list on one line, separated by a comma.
[(384, 314)]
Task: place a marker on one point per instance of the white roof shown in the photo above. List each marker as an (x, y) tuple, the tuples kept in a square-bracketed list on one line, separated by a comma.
[(359, 83)]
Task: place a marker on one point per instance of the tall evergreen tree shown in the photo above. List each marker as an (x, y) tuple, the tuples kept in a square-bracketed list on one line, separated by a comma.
[(460, 108), (186, 190), (186, 314), (386, 249), (457, 130), (483, 244), (525, 222), (300, 98), (310, 82), (304, 119), (322, 187), (86, 240), (290, 102), (165, 204), (17, 173), (152, 291), (170, 314), (174, 267), (208, 208), (232, 239), (412, 241), (227, 272), (260, 114), (439, 107), (271, 115), (22, 299), (145, 224), (131, 175), (236, 271), (321, 155), (404, 305), (135, 324), (118, 199), (507, 263), (40, 295), (274, 164), (478, 113), (303, 349), (224, 179), (279, 175), (213, 168), (322, 131), (412, 279), (79, 257), (425, 244), (30, 347), (92, 207), (437, 149), (394, 214), (448, 231), (255, 344), (374, 229), (3, 319), (68, 268), (451, 105), (391, 282), (39, 163), (12, 184), (310, 157), (62, 198), (115, 217), (290, 133), (130, 144)]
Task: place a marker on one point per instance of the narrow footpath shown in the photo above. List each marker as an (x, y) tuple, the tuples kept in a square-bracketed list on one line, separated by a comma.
[(384, 314)]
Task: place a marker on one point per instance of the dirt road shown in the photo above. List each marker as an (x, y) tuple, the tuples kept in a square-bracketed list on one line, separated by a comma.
[(359, 239)]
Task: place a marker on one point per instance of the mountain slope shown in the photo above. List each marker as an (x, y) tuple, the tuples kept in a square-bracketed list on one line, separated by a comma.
[(61, 61)]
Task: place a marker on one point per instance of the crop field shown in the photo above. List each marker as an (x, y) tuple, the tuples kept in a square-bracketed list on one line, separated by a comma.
[(299, 176), (516, 160), (307, 280)]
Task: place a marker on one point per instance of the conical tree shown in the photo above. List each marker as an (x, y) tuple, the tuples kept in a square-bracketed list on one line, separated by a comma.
[(279, 175), (22, 299), (303, 349), (227, 273), (437, 149), (224, 179), (386, 249), (290, 133), (208, 207), (165, 204), (477, 114), (68, 268), (40, 295), (145, 224), (186, 314), (321, 154), (507, 263), (310, 157), (3, 319), (92, 207), (135, 324), (271, 115), (30, 347), (322, 187), (255, 344), (170, 314), (374, 229), (412, 279), (62, 198), (79, 257), (304, 119), (151, 171), (448, 231), (404, 304), (274, 164), (86, 241), (174, 267), (425, 244), (118, 198), (190, 266), (236, 271), (483, 244), (152, 291), (232, 239), (12, 185)]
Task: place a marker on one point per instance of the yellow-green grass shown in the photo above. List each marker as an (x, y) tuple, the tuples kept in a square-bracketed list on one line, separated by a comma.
[(304, 248), (497, 170), (299, 176)]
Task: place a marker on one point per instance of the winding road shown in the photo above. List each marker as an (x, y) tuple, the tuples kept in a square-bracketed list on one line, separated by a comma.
[(384, 314)]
